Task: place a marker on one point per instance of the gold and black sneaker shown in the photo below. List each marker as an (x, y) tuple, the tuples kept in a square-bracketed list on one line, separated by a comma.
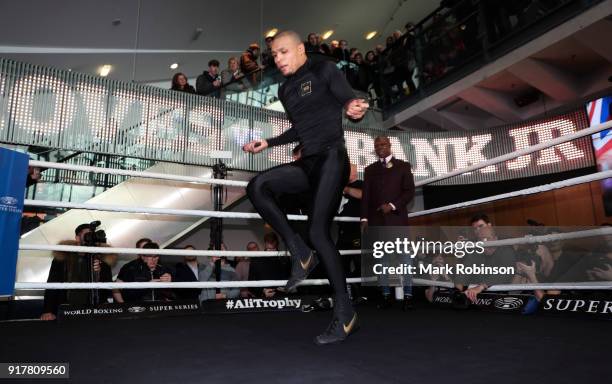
[(341, 327), (303, 261)]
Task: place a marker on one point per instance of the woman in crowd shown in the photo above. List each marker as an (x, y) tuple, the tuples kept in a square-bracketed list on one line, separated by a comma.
[(179, 83)]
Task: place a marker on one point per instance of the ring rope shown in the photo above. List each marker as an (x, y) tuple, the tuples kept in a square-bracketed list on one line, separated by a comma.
[(522, 192), (525, 151), (509, 156), (247, 215), (144, 174), (162, 252), (166, 211), (603, 231), (280, 283)]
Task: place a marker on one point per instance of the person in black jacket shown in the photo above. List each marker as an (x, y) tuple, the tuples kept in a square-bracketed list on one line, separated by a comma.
[(145, 268), (187, 271), (315, 95), (209, 82), (388, 187)]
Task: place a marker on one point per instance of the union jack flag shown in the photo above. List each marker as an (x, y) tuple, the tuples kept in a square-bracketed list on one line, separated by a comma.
[(600, 111)]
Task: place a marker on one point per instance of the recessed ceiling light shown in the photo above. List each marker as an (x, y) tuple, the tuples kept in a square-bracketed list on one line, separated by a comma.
[(371, 35), (272, 32), (174, 66), (327, 34), (105, 70)]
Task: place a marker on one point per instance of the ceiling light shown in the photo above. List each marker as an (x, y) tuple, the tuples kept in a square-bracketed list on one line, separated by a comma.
[(371, 35), (105, 70), (174, 66), (272, 32), (327, 34)]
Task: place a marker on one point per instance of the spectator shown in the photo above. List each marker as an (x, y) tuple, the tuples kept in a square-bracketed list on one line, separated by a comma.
[(227, 273), (333, 45), (358, 74), (74, 267), (33, 176), (325, 49), (438, 262), (267, 60), (312, 44), (601, 264), (389, 42), (209, 82), (341, 53), (388, 188), (372, 66), (187, 271), (232, 77), (243, 266), (179, 83), (491, 257), (268, 268), (141, 242), (146, 268), (248, 64)]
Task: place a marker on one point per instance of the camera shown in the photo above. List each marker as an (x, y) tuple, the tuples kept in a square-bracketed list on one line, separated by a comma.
[(220, 170), (90, 239)]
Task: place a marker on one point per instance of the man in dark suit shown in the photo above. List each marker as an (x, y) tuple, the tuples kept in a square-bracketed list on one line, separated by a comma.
[(387, 188), (187, 271)]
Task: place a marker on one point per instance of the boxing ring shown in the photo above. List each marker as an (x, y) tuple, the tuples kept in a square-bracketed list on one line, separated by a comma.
[(421, 346)]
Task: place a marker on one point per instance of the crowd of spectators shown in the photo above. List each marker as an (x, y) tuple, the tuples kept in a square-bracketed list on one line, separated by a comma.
[(562, 261), (415, 56)]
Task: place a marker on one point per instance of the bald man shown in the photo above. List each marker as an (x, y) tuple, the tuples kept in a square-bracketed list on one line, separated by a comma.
[(314, 96)]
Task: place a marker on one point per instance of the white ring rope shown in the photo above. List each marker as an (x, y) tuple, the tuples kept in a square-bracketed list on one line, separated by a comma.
[(245, 215), (522, 287), (509, 156), (156, 285), (525, 151), (149, 175), (604, 231), (522, 192), (162, 252), (280, 283), (166, 211)]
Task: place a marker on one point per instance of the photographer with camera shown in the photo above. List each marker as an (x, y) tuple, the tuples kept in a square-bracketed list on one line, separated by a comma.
[(146, 268), (77, 267)]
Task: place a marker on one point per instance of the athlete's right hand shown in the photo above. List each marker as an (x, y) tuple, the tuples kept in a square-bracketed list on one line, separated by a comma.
[(255, 146)]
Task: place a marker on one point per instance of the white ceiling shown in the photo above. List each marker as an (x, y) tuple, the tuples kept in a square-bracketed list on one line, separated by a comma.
[(80, 35)]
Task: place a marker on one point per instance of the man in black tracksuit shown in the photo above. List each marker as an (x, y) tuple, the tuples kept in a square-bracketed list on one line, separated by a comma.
[(314, 96)]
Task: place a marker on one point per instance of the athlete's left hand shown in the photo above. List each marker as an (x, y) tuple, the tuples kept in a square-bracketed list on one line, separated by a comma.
[(356, 108)]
